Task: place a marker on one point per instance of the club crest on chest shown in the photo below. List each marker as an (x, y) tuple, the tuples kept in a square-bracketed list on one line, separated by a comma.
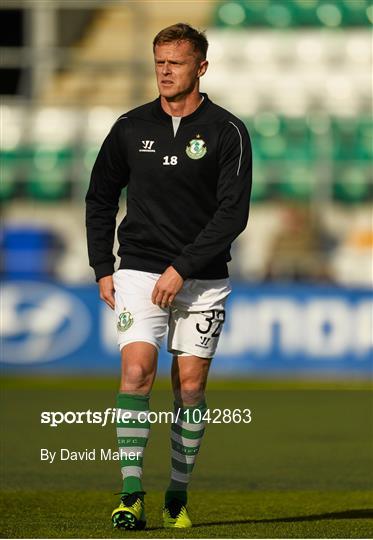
[(196, 148)]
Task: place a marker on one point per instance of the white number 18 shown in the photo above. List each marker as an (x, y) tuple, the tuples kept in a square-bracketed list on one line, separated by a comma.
[(169, 160)]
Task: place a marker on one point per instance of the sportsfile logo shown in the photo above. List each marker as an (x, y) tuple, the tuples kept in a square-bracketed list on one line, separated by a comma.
[(112, 415), (147, 146)]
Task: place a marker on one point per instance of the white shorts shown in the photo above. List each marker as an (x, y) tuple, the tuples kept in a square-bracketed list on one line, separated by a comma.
[(194, 319)]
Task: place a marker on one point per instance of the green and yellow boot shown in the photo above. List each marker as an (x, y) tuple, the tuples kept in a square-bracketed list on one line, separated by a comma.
[(175, 515), (130, 514)]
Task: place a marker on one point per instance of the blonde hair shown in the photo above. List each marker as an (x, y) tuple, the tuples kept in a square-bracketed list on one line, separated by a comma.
[(183, 32)]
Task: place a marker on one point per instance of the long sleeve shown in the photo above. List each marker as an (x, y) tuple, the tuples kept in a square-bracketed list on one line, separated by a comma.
[(233, 198), (109, 175)]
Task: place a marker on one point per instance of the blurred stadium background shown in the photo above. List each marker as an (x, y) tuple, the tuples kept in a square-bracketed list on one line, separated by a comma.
[(298, 72)]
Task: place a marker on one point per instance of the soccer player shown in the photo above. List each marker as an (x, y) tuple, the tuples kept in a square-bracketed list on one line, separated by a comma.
[(186, 163)]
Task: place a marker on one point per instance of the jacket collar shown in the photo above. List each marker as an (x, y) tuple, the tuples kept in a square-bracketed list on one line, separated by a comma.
[(162, 115)]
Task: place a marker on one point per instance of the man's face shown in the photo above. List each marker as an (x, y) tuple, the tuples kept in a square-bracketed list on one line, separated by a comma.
[(178, 67)]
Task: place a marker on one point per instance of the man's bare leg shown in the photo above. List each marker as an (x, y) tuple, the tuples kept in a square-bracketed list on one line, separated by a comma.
[(189, 378), (139, 366)]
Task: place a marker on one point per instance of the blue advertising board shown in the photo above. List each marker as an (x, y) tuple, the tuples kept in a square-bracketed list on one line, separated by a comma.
[(270, 329)]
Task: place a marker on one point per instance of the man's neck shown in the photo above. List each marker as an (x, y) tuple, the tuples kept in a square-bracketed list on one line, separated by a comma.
[(184, 106)]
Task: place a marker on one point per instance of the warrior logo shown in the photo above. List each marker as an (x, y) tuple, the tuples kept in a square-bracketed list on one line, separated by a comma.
[(147, 146)]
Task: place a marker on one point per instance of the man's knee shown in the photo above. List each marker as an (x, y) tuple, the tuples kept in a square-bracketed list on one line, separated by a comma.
[(189, 376), (137, 373), (138, 369), (190, 392)]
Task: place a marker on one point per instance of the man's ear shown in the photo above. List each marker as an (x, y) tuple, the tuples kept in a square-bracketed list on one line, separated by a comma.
[(202, 68)]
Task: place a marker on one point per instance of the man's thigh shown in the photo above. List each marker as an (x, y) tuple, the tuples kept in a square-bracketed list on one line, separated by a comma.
[(195, 333), (138, 319)]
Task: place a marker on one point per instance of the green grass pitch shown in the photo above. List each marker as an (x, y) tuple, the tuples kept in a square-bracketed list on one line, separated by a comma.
[(303, 468)]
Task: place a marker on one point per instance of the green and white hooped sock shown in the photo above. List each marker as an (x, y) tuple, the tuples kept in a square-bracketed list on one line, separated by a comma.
[(186, 437), (132, 436)]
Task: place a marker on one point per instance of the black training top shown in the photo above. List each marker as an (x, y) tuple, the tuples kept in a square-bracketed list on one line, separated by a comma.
[(187, 195)]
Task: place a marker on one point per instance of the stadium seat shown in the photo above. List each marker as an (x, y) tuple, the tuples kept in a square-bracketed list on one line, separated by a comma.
[(345, 139), (305, 12), (230, 14), (296, 182), (268, 141), (321, 137), (48, 178), (352, 184), (29, 251), (355, 12), (255, 12), (365, 139), (298, 139), (9, 165), (279, 14)]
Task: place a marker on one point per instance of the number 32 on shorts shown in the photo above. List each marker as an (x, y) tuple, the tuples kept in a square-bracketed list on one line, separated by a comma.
[(214, 322)]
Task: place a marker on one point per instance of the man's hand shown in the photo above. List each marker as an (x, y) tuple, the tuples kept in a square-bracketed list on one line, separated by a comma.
[(167, 287), (106, 286)]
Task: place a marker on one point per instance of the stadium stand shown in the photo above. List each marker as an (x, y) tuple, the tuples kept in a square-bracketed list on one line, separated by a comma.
[(296, 71), (9, 173), (294, 13)]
